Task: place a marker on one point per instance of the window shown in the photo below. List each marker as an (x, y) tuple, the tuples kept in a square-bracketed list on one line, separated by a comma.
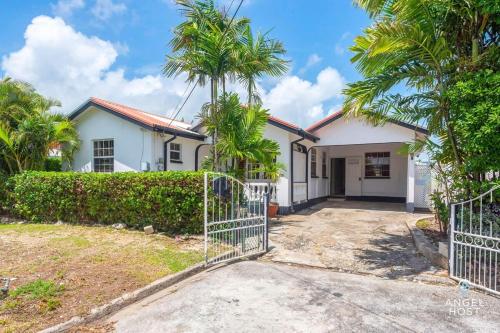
[(175, 153), (313, 163), (323, 165), (253, 171), (377, 165), (104, 151)]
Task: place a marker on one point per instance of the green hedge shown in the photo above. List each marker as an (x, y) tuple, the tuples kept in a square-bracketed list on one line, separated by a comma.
[(171, 201)]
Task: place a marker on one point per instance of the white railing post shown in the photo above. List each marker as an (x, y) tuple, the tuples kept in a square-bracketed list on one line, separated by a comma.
[(266, 221), (451, 248), (205, 220)]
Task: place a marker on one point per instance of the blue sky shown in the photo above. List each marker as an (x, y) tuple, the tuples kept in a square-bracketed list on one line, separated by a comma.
[(114, 49)]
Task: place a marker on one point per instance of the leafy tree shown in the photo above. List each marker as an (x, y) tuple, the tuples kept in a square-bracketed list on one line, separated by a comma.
[(28, 130), (426, 46)]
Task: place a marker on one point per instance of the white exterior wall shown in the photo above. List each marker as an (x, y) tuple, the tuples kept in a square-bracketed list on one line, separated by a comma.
[(188, 148), (130, 141), (283, 138), (395, 186), (357, 131)]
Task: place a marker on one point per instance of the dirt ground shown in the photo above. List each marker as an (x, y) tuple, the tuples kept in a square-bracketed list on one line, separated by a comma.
[(430, 227), (360, 237), (68, 270)]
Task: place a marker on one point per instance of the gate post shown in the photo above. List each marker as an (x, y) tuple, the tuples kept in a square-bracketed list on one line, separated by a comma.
[(266, 221), (205, 213), (451, 247)]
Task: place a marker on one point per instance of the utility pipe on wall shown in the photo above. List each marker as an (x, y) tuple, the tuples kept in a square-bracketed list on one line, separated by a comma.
[(165, 152)]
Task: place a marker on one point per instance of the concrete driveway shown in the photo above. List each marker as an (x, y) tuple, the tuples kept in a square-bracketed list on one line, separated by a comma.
[(351, 236), (268, 297), (288, 295)]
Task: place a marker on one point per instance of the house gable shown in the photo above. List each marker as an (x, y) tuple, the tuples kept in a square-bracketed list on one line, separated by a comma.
[(355, 131)]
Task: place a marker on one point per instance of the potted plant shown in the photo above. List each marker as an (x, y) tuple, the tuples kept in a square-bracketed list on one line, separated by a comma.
[(273, 172)]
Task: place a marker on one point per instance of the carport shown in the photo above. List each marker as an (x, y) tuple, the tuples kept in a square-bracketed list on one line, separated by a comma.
[(355, 160)]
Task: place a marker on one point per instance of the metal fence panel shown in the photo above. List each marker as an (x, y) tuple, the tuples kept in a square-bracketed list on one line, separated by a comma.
[(235, 218), (475, 241)]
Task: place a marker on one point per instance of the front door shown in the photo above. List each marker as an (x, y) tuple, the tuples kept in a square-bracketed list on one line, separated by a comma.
[(337, 179), (353, 177)]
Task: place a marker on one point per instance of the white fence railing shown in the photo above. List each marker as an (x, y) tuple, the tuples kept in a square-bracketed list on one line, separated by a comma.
[(299, 192), (257, 189)]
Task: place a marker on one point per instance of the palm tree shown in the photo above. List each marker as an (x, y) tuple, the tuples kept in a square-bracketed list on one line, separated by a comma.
[(28, 130), (203, 48), (416, 43), (258, 56), (241, 131)]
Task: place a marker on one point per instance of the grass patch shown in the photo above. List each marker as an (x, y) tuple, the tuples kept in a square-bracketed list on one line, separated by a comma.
[(80, 268), (174, 260), (70, 241), (38, 289), (30, 228), (10, 304), (423, 224)]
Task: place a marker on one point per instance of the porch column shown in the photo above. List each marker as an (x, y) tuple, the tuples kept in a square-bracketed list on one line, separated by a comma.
[(410, 185)]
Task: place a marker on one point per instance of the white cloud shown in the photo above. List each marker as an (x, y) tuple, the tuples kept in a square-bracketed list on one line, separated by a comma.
[(339, 50), (313, 60), (302, 101), (70, 66), (65, 8), (104, 9)]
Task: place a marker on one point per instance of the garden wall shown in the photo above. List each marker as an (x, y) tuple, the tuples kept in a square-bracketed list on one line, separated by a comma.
[(171, 201)]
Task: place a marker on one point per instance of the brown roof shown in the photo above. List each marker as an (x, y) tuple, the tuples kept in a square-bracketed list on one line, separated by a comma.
[(149, 120), (319, 124)]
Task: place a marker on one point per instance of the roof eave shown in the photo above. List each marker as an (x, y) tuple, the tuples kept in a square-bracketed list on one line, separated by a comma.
[(298, 131), (89, 103)]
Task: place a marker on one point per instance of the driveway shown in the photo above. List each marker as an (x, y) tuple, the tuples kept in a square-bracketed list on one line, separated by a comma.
[(351, 236), (303, 284), (255, 296)]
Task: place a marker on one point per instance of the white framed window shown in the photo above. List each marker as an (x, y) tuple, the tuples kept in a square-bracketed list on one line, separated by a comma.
[(104, 155), (175, 152), (378, 165), (314, 163)]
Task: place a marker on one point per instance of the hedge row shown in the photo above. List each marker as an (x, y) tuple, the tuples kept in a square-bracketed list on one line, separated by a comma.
[(171, 201)]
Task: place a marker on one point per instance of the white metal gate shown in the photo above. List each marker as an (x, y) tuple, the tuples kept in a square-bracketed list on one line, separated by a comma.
[(475, 241), (235, 219)]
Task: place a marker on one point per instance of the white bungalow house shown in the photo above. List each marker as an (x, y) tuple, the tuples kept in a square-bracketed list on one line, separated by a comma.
[(335, 157)]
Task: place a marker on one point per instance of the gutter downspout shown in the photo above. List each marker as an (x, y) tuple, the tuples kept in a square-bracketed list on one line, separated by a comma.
[(165, 151), (307, 173), (291, 168), (196, 151)]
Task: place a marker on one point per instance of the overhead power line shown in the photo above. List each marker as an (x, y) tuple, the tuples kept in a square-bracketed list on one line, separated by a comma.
[(196, 83)]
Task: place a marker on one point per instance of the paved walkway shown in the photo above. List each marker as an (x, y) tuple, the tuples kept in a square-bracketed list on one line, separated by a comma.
[(360, 237), (268, 297)]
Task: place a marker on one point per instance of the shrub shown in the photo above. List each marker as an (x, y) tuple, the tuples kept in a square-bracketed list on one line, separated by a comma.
[(3, 191), (171, 201), (53, 164)]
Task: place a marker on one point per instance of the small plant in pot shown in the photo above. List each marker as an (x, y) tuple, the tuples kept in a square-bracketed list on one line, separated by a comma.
[(273, 173)]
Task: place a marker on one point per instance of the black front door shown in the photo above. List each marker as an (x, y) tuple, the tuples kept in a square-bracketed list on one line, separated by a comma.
[(338, 177)]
